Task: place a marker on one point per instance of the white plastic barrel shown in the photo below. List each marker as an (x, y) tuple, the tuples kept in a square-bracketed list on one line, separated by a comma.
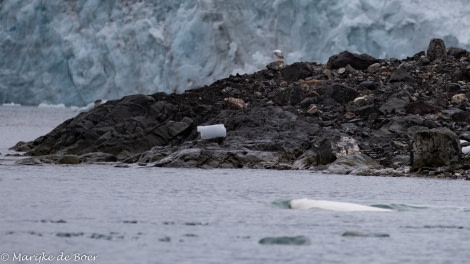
[(213, 131)]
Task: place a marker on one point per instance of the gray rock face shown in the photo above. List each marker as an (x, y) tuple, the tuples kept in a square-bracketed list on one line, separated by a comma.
[(436, 49), (434, 148)]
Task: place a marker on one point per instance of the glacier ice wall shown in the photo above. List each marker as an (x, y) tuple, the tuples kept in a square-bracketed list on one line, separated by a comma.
[(75, 52)]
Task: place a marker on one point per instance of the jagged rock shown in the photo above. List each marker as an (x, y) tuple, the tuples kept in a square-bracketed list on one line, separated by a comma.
[(308, 159), (68, 159), (368, 111), (436, 49), (369, 85), (22, 146), (401, 75), (396, 103), (288, 96), (451, 87), (219, 158), (97, 157), (29, 161), (461, 116), (296, 71), (420, 108), (400, 125), (434, 148), (121, 128), (340, 93), (357, 61), (457, 52)]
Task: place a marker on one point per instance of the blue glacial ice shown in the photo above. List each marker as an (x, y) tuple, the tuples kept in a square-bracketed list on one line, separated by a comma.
[(75, 52)]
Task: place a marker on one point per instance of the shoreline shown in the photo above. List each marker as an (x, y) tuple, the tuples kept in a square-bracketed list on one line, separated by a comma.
[(354, 115)]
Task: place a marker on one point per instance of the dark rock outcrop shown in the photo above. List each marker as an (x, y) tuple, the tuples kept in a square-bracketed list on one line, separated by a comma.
[(343, 117)]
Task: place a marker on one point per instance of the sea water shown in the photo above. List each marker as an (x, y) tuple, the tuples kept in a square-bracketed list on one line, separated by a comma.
[(103, 213)]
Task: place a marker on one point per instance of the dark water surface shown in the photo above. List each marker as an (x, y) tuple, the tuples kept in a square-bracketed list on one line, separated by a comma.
[(159, 215)]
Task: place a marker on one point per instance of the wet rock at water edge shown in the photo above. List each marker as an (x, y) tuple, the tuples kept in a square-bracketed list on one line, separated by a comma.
[(357, 164), (434, 148)]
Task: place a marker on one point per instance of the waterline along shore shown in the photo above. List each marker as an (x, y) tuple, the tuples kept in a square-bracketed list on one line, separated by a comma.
[(353, 115)]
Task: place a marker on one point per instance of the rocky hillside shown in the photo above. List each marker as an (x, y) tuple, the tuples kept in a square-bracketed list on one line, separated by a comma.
[(356, 114)]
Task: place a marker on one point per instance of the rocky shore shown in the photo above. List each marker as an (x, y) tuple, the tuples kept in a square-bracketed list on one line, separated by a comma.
[(354, 115)]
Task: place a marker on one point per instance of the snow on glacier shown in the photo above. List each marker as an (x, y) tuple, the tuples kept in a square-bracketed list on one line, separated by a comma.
[(75, 52)]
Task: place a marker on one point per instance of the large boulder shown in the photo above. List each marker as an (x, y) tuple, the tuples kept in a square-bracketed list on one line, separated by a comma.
[(434, 148), (436, 49), (340, 93), (357, 61), (296, 71)]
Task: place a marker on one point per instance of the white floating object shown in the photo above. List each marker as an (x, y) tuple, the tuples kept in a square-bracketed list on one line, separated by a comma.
[(213, 131), (333, 206)]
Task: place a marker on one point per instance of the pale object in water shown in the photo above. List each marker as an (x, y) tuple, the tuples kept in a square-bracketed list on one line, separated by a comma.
[(213, 131), (305, 203)]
